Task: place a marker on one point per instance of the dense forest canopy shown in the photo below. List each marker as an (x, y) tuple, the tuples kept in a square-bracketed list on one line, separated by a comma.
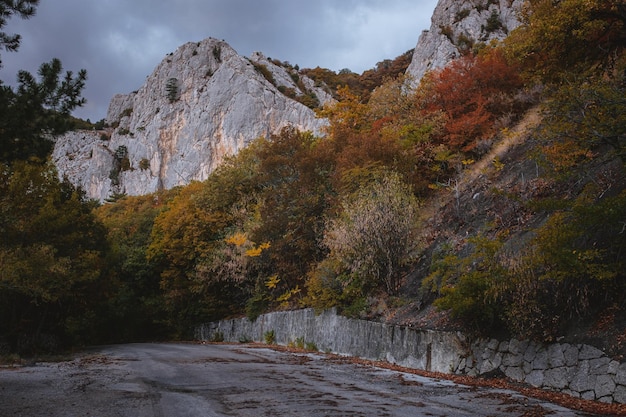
[(344, 221)]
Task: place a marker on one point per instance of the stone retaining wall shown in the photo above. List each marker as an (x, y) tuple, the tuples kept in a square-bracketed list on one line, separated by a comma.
[(578, 370)]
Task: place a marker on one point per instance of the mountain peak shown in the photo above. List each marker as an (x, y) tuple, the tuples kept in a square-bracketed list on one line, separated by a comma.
[(202, 103), (460, 25)]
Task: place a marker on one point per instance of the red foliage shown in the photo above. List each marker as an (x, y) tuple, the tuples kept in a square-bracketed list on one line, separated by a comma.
[(473, 91)]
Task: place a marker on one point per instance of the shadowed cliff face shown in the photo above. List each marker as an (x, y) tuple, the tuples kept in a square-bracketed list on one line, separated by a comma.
[(201, 103), (460, 25)]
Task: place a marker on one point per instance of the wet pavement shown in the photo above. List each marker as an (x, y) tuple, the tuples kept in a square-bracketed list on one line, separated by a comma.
[(172, 379)]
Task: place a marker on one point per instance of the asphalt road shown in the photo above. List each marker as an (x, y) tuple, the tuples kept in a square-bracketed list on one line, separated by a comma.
[(239, 380)]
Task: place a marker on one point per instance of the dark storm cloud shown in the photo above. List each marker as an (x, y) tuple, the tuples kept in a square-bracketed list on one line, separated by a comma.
[(120, 42)]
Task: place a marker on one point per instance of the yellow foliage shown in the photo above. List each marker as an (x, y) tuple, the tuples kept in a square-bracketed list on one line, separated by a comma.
[(254, 252), (283, 300), (238, 239), (272, 282)]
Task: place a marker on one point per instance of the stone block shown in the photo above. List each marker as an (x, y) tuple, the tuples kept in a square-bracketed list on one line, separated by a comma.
[(530, 352), (555, 356), (557, 378), (527, 367), (620, 376), (582, 380), (599, 366), (619, 395), (605, 386), (541, 359), (535, 378), (488, 365), (514, 347), (588, 395), (570, 354), (515, 373), (589, 352), (510, 359)]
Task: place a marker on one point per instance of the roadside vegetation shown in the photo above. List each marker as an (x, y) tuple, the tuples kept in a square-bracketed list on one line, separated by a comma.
[(371, 219)]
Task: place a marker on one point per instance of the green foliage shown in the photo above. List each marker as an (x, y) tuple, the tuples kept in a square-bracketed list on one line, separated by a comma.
[(311, 346), (560, 37), (52, 254), (269, 337), (23, 9), (296, 189), (135, 308), (462, 14), (217, 337), (144, 164), (470, 286), (323, 286), (265, 72), (493, 22), (581, 117), (361, 85), (171, 89), (217, 53), (36, 110)]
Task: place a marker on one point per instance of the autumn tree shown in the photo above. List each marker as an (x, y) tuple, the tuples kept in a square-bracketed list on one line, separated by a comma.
[(560, 37), (294, 173), (474, 92), (407, 131), (580, 118), (373, 239), (189, 234)]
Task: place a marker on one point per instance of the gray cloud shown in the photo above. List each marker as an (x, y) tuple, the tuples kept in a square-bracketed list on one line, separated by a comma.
[(120, 42)]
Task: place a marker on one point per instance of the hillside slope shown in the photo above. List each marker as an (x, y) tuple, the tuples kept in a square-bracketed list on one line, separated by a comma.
[(507, 196)]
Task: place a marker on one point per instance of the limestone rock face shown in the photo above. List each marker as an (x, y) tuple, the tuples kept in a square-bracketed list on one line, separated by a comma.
[(202, 103), (459, 24)]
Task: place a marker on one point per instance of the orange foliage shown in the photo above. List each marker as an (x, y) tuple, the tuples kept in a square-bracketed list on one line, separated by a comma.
[(473, 91)]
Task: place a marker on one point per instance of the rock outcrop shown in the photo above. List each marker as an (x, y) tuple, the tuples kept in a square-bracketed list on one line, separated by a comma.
[(202, 103), (459, 25)]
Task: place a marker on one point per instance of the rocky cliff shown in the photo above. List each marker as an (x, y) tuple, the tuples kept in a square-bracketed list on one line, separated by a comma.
[(202, 103), (460, 25)]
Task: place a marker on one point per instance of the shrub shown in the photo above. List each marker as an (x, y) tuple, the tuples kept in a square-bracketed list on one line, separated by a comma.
[(171, 88), (144, 164), (269, 337), (462, 14), (265, 72), (217, 337), (217, 53), (493, 22)]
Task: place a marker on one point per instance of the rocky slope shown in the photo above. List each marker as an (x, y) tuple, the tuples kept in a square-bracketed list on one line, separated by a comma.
[(201, 103), (459, 25)]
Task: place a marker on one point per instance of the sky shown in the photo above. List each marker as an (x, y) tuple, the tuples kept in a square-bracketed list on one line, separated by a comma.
[(120, 42)]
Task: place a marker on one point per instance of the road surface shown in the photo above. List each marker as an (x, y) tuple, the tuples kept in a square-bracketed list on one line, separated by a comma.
[(239, 380)]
